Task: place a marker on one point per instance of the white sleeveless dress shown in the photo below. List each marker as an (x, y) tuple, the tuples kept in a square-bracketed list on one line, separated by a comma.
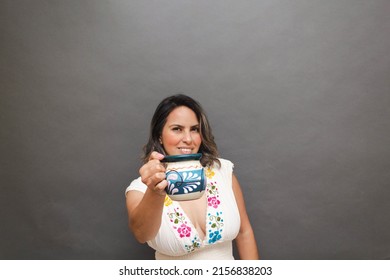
[(178, 238)]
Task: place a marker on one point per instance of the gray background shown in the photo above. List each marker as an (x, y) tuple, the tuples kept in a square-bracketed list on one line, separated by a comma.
[(297, 92)]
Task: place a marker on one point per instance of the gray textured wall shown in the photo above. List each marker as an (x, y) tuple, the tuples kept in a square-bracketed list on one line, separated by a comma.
[(298, 93)]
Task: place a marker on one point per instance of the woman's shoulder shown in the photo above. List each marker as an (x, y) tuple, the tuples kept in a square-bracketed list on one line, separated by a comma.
[(225, 164)]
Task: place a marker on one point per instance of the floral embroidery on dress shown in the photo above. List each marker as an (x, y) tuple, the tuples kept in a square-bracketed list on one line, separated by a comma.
[(195, 244), (213, 195), (176, 217), (213, 201), (216, 224), (167, 201), (182, 229), (209, 173), (214, 217), (214, 221)]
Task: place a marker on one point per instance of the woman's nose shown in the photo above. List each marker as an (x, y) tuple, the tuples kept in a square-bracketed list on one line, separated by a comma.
[(187, 138)]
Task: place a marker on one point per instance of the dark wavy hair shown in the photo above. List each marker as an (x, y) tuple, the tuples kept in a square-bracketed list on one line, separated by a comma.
[(208, 147)]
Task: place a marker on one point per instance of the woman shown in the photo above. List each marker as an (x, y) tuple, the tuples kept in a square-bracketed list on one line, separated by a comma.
[(202, 228)]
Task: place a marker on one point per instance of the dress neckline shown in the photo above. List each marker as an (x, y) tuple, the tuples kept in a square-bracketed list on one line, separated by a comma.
[(185, 229)]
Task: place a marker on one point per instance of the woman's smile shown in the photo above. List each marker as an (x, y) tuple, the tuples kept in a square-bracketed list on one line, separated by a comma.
[(185, 150)]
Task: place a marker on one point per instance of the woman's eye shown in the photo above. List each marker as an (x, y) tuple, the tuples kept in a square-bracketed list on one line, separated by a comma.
[(176, 129)]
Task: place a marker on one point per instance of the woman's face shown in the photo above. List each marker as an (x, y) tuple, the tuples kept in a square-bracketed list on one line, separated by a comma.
[(181, 132)]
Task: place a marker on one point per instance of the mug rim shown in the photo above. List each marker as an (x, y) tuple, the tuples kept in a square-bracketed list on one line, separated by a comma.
[(176, 158)]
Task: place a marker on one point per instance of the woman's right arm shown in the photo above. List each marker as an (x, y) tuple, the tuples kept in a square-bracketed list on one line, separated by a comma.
[(145, 209)]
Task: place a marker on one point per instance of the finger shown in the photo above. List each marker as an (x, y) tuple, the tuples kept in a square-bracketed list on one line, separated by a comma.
[(154, 164), (161, 186), (154, 179), (159, 176), (156, 155), (151, 167), (160, 167)]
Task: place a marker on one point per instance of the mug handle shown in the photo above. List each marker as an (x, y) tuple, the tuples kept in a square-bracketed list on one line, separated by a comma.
[(179, 183)]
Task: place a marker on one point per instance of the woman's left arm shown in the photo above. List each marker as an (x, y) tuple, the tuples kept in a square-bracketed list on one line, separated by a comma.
[(245, 240)]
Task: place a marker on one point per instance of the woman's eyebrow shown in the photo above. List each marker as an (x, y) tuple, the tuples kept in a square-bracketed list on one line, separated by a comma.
[(179, 125)]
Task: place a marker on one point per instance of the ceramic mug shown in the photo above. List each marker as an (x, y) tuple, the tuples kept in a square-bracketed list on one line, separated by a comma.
[(186, 177)]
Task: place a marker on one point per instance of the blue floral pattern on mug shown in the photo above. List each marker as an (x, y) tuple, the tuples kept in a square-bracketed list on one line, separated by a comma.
[(188, 181)]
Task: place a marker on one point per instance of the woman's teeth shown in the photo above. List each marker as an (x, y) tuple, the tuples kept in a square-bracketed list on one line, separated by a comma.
[(185, 150)]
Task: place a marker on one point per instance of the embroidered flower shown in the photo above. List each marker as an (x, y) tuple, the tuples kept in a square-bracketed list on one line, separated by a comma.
[(212, 189), (214, 236), (209, 173), (167, 201), (176, 217), (195, 244), (184, 231), (213, 201), (215, 221)]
